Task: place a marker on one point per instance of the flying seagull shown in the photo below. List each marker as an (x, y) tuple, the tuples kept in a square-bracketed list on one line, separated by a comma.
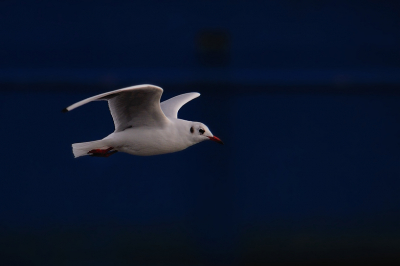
[(143, 125)]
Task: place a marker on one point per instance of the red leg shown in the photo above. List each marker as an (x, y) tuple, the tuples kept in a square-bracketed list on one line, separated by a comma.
[(102, 153)]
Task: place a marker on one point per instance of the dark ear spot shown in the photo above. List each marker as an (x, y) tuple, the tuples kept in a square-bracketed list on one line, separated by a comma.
[(191, 130)]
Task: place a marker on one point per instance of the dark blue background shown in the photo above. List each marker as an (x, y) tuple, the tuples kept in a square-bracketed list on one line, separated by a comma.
[(305, 95)]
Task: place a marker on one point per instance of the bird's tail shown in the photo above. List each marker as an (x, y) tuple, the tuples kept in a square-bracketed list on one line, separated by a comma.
[(82, 149)]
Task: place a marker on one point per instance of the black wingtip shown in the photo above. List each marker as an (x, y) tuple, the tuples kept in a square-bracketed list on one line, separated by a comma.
[(64, 110)]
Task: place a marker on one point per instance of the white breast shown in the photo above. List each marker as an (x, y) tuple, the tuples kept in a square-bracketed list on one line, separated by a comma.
[(146, 141)]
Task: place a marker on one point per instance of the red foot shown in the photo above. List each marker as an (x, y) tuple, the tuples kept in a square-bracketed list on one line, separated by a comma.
[(102, 153)]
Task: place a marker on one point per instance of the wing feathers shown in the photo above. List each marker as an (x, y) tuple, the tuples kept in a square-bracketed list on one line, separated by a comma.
[(108, 95), (171, 106), (133, 106), (139, 106)]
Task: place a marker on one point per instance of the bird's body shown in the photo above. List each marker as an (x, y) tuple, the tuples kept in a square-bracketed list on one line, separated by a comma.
[(145, 141), (143, 126)]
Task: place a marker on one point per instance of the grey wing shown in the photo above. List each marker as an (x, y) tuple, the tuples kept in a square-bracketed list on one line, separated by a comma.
[(171, 106), (131, 107)]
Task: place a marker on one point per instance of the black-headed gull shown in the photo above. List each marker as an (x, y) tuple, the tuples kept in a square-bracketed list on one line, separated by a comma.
[(143, 125)]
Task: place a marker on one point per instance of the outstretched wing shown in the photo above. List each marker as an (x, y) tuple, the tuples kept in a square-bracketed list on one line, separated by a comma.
[(131, 107), (171, 106)]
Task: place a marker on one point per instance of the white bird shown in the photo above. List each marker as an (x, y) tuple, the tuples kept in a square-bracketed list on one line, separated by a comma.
[(143, 125)]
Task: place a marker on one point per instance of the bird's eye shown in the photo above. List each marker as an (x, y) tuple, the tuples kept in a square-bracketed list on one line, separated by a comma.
[(191, 130), (201, 131)]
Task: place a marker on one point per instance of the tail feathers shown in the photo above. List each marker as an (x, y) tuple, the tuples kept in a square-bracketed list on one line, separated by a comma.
[(82, 149)]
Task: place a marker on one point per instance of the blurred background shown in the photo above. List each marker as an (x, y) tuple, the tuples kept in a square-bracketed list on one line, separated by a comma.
[(305, 95)]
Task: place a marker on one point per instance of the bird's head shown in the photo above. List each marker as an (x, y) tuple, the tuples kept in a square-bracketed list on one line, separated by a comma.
[(199, 132)]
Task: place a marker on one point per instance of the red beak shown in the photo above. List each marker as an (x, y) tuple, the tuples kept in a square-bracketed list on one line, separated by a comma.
[(214, 138)]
